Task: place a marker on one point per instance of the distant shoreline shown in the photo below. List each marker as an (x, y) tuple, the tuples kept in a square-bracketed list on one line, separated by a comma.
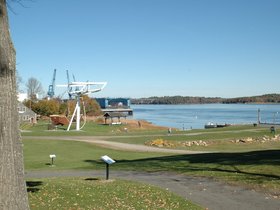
[(278, 103), (263, 99)]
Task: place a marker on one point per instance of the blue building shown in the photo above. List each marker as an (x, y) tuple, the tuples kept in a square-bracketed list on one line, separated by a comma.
[(113, 102)]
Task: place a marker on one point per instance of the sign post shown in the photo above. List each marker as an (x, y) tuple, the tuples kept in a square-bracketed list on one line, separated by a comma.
[(107, 171), (52, 157), (108, 162)]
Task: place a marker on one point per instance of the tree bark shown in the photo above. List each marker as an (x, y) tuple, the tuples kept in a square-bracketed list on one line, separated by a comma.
[(13, 194)]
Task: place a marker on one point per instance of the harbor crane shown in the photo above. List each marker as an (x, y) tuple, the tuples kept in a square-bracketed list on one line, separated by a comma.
[(52, 85), (69, 88)]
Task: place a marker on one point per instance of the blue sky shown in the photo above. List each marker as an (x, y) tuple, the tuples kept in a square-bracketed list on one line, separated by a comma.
[(142, 48)]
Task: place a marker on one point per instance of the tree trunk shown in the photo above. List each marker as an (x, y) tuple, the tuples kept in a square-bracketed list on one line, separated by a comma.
[(13, 194)]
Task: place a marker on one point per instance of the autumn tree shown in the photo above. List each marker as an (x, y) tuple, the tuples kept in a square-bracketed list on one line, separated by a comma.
[(46, 107), (92, 108), (13, 194)]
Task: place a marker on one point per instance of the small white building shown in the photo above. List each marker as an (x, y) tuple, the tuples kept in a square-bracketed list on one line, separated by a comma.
[(26, 114)]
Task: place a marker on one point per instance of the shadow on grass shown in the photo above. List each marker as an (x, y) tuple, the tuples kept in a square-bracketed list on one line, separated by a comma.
[(32, 186), (92, 179), (234, 163)]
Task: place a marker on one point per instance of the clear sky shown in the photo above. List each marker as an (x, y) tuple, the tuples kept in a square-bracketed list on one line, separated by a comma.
[(142, 48)]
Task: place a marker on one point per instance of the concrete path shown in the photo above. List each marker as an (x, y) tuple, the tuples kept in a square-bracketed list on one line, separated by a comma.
[(206, 192)]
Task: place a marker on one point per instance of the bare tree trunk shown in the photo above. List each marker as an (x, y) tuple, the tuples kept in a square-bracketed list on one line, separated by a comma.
[(13, 193)]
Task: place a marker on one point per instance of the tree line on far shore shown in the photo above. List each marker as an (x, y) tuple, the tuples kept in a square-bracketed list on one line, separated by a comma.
[(267, 98)]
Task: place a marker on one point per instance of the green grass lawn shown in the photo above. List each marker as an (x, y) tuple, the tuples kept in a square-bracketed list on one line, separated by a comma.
[(255, 169), (90, 129), (255, 165), (72, 155), (219, 139), (87, 193)]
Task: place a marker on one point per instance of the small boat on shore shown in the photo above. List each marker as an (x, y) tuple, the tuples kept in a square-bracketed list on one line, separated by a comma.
[(215, 125), (210, 125)]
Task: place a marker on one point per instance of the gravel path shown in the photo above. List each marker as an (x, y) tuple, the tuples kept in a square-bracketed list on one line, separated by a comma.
[(206, 192), (101, 141)]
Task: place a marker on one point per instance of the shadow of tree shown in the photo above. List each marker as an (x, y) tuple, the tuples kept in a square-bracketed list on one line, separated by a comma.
[(32, 186), (237, 163)]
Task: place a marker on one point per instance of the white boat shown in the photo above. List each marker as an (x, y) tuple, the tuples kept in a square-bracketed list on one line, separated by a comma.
[(210, 125)]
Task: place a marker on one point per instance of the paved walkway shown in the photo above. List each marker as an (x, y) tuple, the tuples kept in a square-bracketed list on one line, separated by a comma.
[(203, 191)]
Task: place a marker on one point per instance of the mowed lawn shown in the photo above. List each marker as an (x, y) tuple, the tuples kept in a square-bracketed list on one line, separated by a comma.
[(254, 165), (256, 169), (85, 193)]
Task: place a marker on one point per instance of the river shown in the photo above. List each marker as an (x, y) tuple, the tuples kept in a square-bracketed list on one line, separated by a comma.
[(197, 115)]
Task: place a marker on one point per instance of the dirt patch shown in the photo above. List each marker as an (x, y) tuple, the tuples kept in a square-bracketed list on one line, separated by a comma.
[(141, 125)]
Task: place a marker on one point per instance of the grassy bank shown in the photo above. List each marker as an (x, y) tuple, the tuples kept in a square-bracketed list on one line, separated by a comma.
[(220, 139), (128, 127)]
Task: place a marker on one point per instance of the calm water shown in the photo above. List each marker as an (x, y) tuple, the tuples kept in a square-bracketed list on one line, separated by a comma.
[(197, 115)]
